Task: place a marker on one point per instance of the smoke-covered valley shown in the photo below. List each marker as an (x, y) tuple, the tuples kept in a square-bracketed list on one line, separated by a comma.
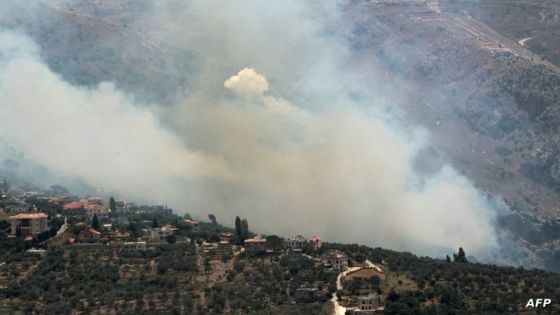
[(274, 112)]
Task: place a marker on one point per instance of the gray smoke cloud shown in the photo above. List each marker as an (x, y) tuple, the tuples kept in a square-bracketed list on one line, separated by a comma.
[(268, 130)]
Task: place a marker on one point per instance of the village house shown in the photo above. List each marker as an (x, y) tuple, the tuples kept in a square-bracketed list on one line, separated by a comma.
[(29, 224), (367, 305), (89, 235), (75, 208), (255, 245), (226, 236), (297, 242), (40, 252), (96, 206), (194, 225), (315, 241), (161, 233), (102, 212), (132, 246), (336, 260)]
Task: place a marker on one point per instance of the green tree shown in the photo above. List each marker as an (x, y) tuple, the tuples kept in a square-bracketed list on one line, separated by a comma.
[(212, 218), (95, 222), (460, 257), (155, 223), (274, 242), (171, 239), (112, 204), (238, 230), (244, 228)]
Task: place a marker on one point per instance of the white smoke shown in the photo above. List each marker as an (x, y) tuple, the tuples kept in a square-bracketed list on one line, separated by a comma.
[(96, 134), (285, 148), (247, 83)]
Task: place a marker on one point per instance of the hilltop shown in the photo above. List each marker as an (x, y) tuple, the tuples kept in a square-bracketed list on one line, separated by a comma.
[(145, 259)]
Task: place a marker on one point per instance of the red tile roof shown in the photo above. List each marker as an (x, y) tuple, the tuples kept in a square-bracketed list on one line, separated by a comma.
[(89, 231), (255, 240), (36, 215), (75, 204), (314, 238)]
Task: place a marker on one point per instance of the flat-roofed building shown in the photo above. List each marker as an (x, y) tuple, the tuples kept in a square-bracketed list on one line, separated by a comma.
[(25, 224), (255, 245), (194, 225), (141, 246), (337, 260), (161, 233), (297, 242)]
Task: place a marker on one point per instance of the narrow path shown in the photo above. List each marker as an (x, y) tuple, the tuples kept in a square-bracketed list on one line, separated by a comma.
[(372, 265), (339, 309)]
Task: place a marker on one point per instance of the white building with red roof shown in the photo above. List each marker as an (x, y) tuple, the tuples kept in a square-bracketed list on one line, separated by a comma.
[(89, 235), (315, 241), (29, 224)]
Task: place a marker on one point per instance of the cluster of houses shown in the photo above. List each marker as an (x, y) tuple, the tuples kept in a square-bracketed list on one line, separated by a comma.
[(96, 206), (30, 224), (300, 242), (87, 206), (122, 207)]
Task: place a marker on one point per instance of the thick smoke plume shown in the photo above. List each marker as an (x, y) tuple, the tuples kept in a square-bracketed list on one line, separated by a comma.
[(267, 130)]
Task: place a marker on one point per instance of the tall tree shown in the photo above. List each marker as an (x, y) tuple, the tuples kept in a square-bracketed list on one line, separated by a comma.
[(238, 230), (112, 204), (155, 223), (95, 222), (460, 257), (212, 218), (244, 228), (274, 242)]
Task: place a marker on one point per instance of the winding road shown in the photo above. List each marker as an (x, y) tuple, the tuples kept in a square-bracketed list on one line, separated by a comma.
[(339, 309)]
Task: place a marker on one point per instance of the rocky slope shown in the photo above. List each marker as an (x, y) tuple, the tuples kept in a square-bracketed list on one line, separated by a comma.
[(490, 103)]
